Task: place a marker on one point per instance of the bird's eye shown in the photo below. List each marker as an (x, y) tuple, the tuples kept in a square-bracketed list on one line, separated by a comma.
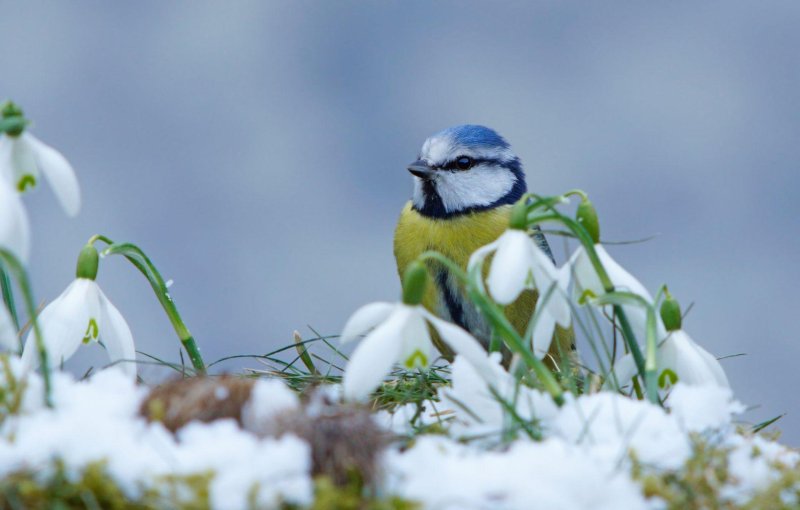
[(464, 163)]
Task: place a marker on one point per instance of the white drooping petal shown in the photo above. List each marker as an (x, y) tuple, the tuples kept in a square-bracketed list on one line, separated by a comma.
[(679, 353), (464, 345), (364, 319), (714, 366), (8, 332), (621, 278), (690, 362), (58, 172), (543, 333), (65, 322), (417, 350), (374, 356), (6, 170), (557, 300), (479, 255), (117, 337), (587, 279), (511, 266), (14, 226), (17, 162), (584, 274)]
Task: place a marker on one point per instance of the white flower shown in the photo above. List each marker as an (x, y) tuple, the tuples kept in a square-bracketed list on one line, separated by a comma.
[(473, 400), (400, 334), (82, 314), (14, 227), (679, 353), (519, 263), (586, 279), (24, 157)]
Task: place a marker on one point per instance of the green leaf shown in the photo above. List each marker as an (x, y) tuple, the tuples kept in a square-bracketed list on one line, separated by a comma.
[(138, 258)]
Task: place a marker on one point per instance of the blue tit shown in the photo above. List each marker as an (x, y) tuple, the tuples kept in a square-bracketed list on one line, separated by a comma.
[(466, 180)]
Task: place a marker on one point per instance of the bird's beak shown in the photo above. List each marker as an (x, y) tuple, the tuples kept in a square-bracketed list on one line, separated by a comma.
[(421, 169)]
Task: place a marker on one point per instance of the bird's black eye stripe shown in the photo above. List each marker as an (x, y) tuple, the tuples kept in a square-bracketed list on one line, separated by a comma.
[(463, 163)]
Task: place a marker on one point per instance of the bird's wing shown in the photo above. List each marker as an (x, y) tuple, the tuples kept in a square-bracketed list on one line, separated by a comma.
[(541, 241)]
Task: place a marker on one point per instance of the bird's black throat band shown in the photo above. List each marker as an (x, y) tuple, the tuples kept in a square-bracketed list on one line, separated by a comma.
[(434, 207)]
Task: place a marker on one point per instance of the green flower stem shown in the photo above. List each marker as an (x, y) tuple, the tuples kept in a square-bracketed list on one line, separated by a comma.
[(582, 194), (650, 375), (495, 343), (18, 270), (651, 363), (500, 324), (588, 243), (8, 299), (137, 257)]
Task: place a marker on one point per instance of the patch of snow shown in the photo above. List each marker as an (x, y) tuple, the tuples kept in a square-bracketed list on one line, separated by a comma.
[(444, 474), (98, 420), (699, 408), (268, 399)]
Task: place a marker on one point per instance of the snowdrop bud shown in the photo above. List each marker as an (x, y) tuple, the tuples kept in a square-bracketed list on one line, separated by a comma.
[(87, 263), (519, 215), (14, 122), (415, 280), (671, 313), (587, 216)]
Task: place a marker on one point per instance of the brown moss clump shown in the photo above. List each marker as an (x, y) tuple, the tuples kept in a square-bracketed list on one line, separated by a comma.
[(205, 399), (346, 444)]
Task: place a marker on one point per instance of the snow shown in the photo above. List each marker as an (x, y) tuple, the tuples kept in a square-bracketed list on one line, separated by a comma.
[(582, 460), (98, 420), (268, 399), (699, 408), (552, 474)]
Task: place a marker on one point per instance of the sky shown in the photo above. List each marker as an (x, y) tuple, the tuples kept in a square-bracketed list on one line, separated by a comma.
[(257, 151)]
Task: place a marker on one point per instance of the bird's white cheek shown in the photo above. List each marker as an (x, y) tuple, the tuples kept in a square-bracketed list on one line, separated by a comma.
[(477, 187)]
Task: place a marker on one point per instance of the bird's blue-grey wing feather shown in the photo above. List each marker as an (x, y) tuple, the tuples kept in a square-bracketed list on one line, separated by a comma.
[(541, 241)]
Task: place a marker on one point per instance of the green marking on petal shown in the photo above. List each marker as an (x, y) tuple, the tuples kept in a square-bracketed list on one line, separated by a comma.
[(667, 374), (412, 362), (585, 296), (25, 182), (92, 330)]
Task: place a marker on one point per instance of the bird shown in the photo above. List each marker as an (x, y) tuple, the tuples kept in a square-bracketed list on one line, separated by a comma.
[(466, 180)]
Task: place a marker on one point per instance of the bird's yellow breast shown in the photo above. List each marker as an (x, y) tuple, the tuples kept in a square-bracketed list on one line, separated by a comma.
[(456, 237)]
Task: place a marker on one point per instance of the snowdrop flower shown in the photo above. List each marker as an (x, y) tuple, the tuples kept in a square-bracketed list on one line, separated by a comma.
[(23, 157), (83, 314), (399, 332), (14, 227), (518, 264), (681, 355), (586, 278)]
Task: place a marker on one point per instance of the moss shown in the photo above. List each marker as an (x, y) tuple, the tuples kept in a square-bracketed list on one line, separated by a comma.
[(782, 494), (329, 496), (93, 490), (696, 486), (11, 390)]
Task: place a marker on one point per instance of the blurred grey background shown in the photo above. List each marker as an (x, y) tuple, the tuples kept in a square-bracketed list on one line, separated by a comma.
[(257, 152)]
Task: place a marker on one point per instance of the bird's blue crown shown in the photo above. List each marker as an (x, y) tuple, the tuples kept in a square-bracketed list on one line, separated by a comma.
[(473, 135)]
